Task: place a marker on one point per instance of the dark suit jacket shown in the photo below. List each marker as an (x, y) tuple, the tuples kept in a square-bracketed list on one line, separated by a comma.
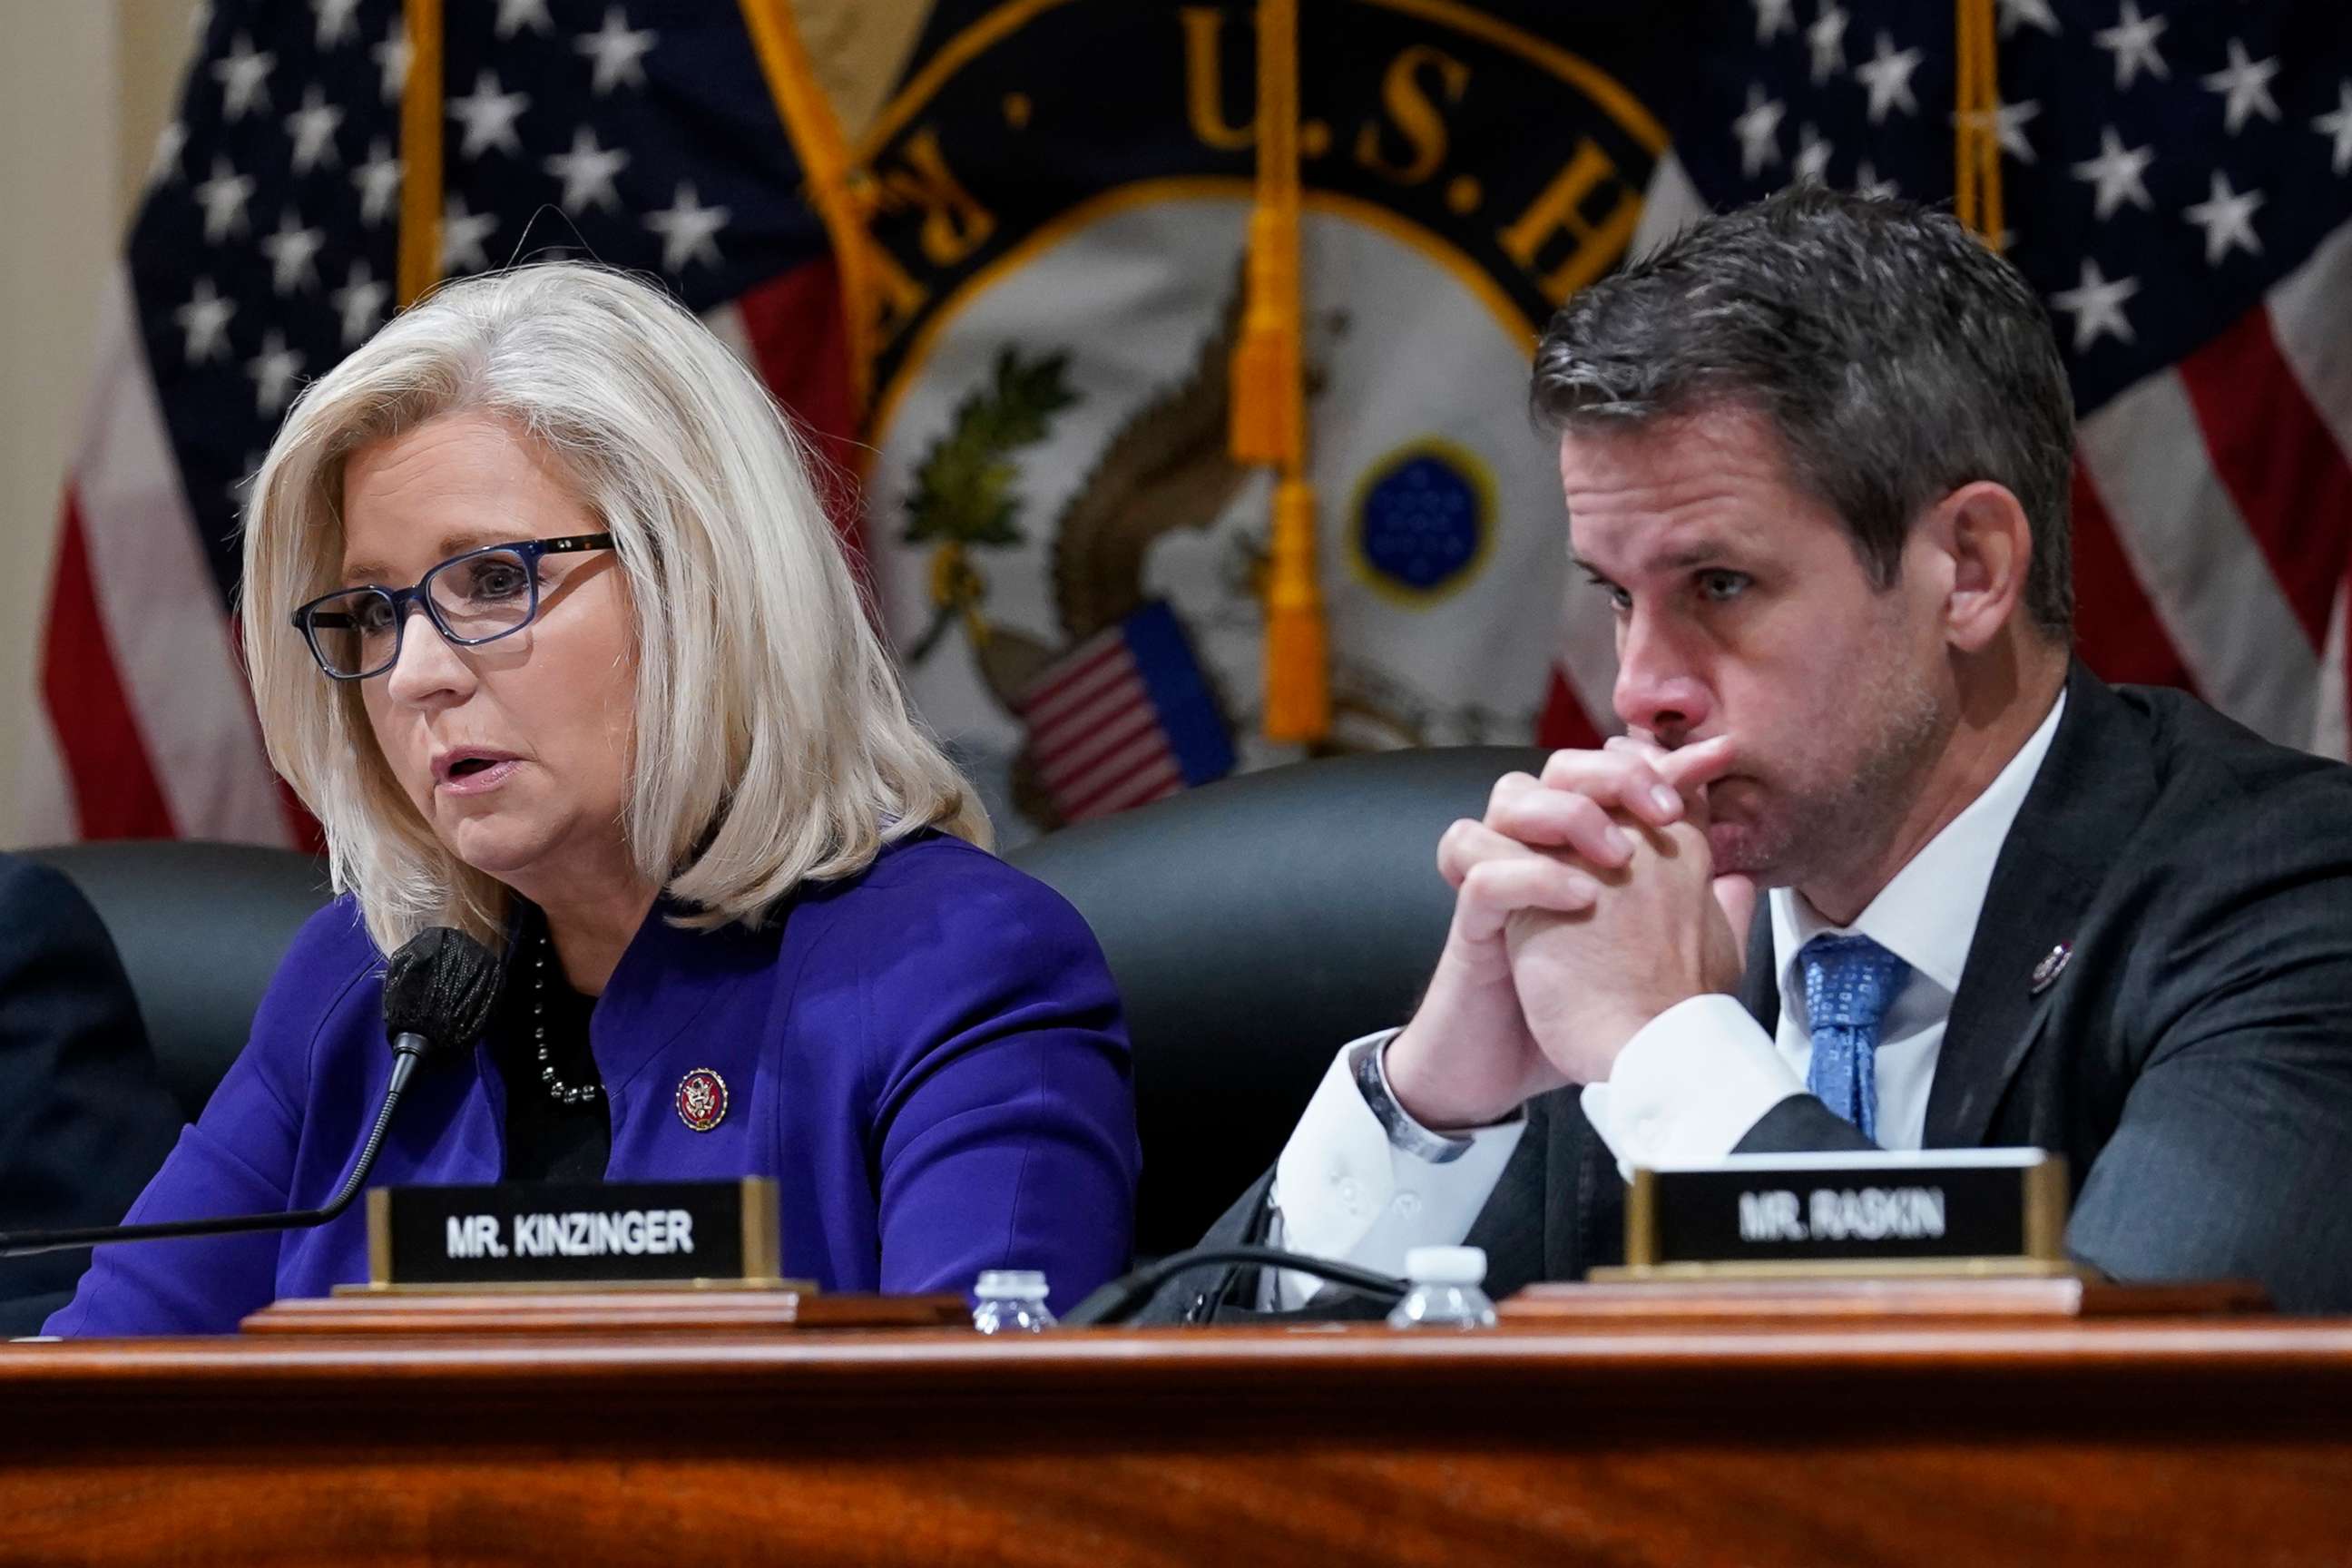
[(85, 1119), (2193, 1061)]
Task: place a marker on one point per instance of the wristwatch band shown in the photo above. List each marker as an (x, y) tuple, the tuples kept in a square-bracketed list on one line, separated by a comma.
[(1369, 1065)]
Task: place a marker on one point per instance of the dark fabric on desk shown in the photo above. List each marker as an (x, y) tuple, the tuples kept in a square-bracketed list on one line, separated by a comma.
[(2192, 1062), (85, 1119)]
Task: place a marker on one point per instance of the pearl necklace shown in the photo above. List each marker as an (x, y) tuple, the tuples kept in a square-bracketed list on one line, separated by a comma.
[(564, 1093)]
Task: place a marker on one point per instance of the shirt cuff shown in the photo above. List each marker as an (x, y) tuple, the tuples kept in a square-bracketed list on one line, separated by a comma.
[(1689, 1085), (1344, 1190)]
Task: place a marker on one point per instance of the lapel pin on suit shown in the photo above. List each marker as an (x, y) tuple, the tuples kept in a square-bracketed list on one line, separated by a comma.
[(2053, 965), (702, 1100)]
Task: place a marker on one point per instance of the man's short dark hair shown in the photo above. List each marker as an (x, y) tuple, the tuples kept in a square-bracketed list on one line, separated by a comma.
[(1897, 358)]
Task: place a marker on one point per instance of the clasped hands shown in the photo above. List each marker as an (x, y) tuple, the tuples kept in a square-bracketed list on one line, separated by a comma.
[(1585, 905)]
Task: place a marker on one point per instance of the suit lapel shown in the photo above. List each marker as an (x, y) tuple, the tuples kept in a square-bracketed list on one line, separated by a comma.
[(1759, 982), (2093, 789)]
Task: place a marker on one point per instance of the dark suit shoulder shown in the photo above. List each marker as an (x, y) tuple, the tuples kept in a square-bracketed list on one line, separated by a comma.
[(2200, 756)]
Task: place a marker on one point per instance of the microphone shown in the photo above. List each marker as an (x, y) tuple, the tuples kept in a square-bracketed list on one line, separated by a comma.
[(1115, 1302), (438, 991)]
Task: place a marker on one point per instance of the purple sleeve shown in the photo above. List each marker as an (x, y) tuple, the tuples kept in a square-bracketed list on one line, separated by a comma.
[(238, 1159), (1005, 1116)]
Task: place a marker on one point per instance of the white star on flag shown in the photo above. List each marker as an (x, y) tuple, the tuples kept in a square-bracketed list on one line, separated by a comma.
[(361, 301), (2248, 84), (205, 317), (462, 233), (2338, 125), (1826, 38), (2011, 128), (2118, 172), (2007, 126), (378, 180), (587, 173), (2228, 219), (392, 61), (243, 77), (293, 253), (1870, 188), (1774, 17), (618, 54), (489, 116), (1812, 156), (514, 16), (170, 143), (274, 372), (1759, 130), (222, 198), (2016, 14), (2132, 40), (689, 230), (2098, 306), (338, 20), (313, 128), (1888, 74)]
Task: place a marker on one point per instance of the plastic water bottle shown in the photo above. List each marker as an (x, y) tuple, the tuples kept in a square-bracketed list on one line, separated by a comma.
[(1445, 1291), (1012, 1302)]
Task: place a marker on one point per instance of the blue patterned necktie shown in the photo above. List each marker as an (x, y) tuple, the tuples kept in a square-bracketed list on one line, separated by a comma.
[(1850, 981)]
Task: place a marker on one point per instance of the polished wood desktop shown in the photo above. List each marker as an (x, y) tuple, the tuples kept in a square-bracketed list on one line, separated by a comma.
[(1851, 1437)]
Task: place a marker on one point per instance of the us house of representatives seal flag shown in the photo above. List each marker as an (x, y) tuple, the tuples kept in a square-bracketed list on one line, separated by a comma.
[(1068, 555)]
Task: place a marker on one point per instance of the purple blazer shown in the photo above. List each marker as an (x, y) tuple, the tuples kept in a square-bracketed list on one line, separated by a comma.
[(929, 1058)]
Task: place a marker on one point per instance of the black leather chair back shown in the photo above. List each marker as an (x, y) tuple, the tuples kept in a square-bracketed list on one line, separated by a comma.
[(1254, 927), (201, 928)]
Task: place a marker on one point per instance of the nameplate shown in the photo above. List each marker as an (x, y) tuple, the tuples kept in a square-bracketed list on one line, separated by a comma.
[(612, 1233), (1945, 1211)]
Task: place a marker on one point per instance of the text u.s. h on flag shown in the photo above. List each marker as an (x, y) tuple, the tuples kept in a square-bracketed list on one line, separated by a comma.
[(265, 250), (2178, 184)]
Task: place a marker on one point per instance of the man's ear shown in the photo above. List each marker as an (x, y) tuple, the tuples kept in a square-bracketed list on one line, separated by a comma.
[(1984, 531)]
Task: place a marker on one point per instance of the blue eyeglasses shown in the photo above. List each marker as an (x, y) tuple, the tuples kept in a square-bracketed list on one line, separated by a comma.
[(473, 598)]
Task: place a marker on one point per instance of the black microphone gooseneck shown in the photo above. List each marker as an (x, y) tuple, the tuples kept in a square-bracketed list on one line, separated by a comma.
[(438, 991), (1120, 1300)]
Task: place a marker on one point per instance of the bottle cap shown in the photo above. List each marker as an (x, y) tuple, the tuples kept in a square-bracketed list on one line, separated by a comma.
[(1445, 1265), (1028, 1285)]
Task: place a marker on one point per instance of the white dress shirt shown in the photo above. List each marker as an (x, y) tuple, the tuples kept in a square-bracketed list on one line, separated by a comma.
[(1686, 1088)]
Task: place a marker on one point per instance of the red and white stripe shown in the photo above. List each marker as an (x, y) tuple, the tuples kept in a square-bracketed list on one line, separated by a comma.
[(150, 725), (2227, 482), (1094, 736)]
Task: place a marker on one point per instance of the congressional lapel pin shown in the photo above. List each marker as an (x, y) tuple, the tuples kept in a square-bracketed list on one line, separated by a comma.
[(701, 1100), (2053, 965)]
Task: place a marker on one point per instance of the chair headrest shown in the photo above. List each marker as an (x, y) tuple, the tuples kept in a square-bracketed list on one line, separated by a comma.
[(1254, 927)]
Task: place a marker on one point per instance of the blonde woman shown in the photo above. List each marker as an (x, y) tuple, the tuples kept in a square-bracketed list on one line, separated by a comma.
[(546, 626)]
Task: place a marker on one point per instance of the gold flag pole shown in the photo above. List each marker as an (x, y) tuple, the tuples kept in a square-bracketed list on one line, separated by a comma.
[(1976, 122), (1270, 404), (420, 154), (825, 157)]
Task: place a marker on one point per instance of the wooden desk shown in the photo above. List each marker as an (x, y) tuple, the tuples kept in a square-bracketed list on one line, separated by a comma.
[(2140, 1443)]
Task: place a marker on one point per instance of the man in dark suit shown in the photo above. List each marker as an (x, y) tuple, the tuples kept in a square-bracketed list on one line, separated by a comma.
[(1816, 453), (85, 1119)]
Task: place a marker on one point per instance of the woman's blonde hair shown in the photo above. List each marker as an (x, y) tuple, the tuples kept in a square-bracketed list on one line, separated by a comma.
[(774, 744)]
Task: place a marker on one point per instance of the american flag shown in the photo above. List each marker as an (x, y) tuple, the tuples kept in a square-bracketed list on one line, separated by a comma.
[(1124, 719), (2177, 181), (641, 132)]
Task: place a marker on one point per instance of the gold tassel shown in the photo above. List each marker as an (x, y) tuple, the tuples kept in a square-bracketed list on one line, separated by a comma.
[(1298, 651), (420, 154), (1269, 396), (823, 152)]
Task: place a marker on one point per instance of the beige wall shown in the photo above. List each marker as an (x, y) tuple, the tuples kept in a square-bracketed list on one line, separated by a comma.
[(84, 88)]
